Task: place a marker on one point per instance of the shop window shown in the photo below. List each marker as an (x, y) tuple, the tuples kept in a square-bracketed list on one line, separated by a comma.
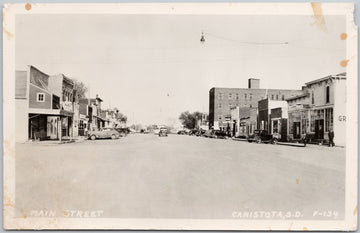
[(329, 118), (56, 102), (40, 97), (327, 94), (275, 127), (312, 98)]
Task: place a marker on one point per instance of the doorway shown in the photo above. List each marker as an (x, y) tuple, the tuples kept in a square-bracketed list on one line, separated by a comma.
[(319, 129), (297, 130)]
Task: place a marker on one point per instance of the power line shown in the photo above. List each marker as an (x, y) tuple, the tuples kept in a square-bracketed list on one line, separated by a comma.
[(242, 42)]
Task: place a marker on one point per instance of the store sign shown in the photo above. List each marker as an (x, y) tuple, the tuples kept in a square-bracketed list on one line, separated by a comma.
[(342, 118), (67, 106)]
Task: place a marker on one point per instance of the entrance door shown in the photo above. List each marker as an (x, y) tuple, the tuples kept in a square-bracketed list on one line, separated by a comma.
[(319, 129), (52, 124), (297, 130)]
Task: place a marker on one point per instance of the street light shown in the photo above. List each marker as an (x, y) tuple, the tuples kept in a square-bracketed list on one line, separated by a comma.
[(202, 40)]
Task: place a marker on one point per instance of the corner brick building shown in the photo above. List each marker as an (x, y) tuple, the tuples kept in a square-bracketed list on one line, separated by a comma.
[(221, 100)]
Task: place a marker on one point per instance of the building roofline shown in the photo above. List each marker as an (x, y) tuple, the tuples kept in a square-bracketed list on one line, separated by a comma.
[(340, 75), (31, 66), (297, 97), (269, 89)]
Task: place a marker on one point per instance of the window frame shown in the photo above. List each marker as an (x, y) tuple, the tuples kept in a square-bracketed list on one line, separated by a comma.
[(38, 94), (327, 94)]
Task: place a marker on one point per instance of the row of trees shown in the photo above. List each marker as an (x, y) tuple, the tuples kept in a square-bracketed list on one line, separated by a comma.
[(189, 120)]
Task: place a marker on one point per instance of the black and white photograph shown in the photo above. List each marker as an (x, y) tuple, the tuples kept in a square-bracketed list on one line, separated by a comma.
[(180, 116)]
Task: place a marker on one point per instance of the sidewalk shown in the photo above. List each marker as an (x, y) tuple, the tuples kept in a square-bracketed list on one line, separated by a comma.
[(57, 142), (295, 144)]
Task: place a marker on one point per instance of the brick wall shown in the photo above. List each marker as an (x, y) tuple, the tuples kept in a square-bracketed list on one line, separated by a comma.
[(222, 99)]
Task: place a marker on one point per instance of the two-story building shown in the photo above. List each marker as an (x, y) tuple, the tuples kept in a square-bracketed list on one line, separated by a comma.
[(91, 116), (44, 105), (319, 109)]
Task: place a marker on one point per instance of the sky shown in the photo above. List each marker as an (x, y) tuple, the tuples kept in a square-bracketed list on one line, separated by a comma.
[(153, 67)]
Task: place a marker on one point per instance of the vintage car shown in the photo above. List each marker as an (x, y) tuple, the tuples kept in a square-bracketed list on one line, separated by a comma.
[(209, 134), (104, 133), (181, 131), (220, 134), (163, 132), (262, 136), (123, 131)]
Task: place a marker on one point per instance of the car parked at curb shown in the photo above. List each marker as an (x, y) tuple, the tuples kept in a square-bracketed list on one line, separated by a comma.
[(262, 136), (103, 133)]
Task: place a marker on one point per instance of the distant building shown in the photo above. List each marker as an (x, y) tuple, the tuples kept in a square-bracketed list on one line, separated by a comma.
[(202, 122), (272, 117), (319, 109), (244, 120), (222, 100), (91, 115)]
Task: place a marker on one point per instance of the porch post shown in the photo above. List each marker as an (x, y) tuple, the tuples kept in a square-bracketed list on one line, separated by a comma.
[(60, 129)]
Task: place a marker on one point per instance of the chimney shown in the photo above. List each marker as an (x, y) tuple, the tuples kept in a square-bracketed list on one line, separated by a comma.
[(254, 83)]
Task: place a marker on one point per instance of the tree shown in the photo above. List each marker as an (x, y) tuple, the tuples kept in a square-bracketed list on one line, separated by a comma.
[(190, 120), (120, 116), (80, 88), (187, 119)]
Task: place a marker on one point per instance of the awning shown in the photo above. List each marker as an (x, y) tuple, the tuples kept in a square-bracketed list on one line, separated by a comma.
[(102, 119), (66, 113)]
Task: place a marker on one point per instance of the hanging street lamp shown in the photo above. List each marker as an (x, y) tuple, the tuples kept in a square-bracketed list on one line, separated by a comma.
[(202, 40)]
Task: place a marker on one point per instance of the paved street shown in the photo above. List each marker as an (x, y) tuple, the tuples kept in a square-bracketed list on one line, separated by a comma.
[(178, 177)]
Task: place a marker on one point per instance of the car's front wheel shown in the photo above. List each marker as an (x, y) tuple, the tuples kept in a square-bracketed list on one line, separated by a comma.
[(93, 137), (275, 141), (113, 136)]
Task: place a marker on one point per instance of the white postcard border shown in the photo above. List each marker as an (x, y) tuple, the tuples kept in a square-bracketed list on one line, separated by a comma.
[(11, 10)]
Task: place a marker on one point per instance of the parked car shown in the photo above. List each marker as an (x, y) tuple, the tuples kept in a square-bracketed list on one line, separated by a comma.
[(200, 132), (181, 131), (163, 132), (262, 136), (220, 134), (209, 134), (104, 133), (123, 131)]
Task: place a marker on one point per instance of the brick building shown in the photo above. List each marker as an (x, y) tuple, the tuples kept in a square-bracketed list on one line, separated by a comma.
[(222, 100)]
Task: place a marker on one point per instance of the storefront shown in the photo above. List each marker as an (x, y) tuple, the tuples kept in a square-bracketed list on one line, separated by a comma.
[(298, 122), (313, 123), (50, 126)]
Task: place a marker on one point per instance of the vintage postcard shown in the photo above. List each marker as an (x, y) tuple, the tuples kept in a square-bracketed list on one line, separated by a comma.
[(180, 116)]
